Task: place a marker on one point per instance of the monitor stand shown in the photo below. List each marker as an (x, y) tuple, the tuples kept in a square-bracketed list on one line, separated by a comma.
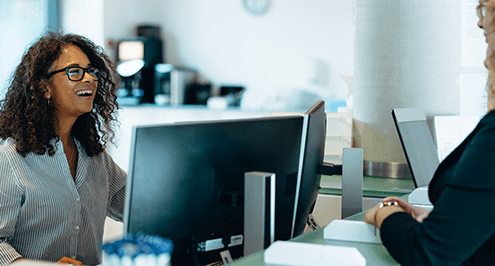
[(259, 211)]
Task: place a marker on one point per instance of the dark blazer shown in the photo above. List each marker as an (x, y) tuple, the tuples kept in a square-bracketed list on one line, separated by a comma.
[(461, 228)]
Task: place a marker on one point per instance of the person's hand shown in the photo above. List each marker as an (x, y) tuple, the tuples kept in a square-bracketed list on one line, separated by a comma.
[(67, 260), (17, 260), (376, 215), (418, 213)]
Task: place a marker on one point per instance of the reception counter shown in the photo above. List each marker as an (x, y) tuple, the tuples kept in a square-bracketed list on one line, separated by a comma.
[(375, 254)]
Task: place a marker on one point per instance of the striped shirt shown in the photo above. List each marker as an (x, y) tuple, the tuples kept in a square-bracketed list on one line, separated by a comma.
[(45, 214)]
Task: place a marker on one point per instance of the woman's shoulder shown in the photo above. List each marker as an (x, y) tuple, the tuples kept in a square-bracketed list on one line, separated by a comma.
[(8, 152), (7, 146), (488, 119), (485, 135)]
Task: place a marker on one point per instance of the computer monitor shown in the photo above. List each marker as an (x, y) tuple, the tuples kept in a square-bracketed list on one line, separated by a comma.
[(417, 143), (186, 180), (312, 154)]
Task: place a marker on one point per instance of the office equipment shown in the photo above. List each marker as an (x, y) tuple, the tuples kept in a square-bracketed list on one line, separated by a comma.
[(352, 181), (284, 253), (355, 231), (149, 49), (172, 84), (186, 181), (417, 143), (310, 163), (259, 211), (130, 92), (419, 149)]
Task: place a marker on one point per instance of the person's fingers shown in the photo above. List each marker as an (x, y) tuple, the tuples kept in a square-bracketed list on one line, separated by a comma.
[(67, 260), (422, 214)]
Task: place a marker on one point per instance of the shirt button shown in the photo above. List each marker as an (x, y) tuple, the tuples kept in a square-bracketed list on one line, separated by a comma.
[(78, 199), (77, 227)]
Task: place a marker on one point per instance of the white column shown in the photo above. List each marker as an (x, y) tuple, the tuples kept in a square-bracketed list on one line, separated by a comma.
[(407, 53)]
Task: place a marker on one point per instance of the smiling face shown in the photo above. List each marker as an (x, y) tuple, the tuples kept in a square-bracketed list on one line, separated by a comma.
[(71, 98)]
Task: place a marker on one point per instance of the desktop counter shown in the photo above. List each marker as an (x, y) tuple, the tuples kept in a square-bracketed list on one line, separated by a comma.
[(374, 189), (375, 254)]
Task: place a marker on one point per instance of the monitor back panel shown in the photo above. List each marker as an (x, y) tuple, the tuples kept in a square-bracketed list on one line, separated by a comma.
[(417, 142), (311, 157)]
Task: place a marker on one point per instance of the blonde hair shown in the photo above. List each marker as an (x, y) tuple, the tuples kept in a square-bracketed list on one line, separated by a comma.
[(488, 7)]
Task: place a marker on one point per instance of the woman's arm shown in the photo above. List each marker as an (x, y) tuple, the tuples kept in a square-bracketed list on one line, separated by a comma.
[(379, 213), (117, 181), (462, 220), (10, 206)]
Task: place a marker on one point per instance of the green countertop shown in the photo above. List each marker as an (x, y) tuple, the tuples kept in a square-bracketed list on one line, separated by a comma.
[(372, 186), (375, 254)]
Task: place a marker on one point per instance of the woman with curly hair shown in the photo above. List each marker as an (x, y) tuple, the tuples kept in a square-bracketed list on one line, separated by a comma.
[(57, 183), (460, 230)]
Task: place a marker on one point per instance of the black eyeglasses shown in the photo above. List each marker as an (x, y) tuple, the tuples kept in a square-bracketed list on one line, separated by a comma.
[(481, 9), (77, 73)]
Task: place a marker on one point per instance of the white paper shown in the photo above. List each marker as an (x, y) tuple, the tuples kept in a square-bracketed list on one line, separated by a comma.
[(451, 131), (292, 253), (473, 94), (473, 45)]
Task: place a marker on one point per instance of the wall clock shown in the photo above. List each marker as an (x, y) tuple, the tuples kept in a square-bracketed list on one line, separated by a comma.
[(256, 7)]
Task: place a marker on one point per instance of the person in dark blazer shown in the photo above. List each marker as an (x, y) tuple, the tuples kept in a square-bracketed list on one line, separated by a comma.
[(460, 230)]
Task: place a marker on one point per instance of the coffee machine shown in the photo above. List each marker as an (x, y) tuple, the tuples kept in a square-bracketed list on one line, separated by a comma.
[(137, 57)]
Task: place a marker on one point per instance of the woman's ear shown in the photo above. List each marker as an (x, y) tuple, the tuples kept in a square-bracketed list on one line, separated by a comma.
[(45, 83), (48, 93)]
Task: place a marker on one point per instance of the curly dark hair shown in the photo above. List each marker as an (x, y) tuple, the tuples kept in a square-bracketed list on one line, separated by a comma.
[(27, 117)]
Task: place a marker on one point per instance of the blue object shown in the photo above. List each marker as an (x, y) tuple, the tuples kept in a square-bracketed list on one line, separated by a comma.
[(334, 105), (133, 245)]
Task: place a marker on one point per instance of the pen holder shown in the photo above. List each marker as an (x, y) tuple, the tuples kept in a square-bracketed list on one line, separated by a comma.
[(137, 250)]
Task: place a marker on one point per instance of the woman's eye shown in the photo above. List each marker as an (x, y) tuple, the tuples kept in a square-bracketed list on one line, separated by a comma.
[(74, 71)]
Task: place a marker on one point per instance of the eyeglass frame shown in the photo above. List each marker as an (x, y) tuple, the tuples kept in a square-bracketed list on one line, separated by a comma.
[(85, 70), (481, 9)]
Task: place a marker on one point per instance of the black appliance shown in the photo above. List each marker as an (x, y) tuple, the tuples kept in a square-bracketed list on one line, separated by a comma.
[(139, 87)]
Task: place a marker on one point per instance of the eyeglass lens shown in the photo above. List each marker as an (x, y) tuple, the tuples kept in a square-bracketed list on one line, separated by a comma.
[(481, 9), (77, 73)]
